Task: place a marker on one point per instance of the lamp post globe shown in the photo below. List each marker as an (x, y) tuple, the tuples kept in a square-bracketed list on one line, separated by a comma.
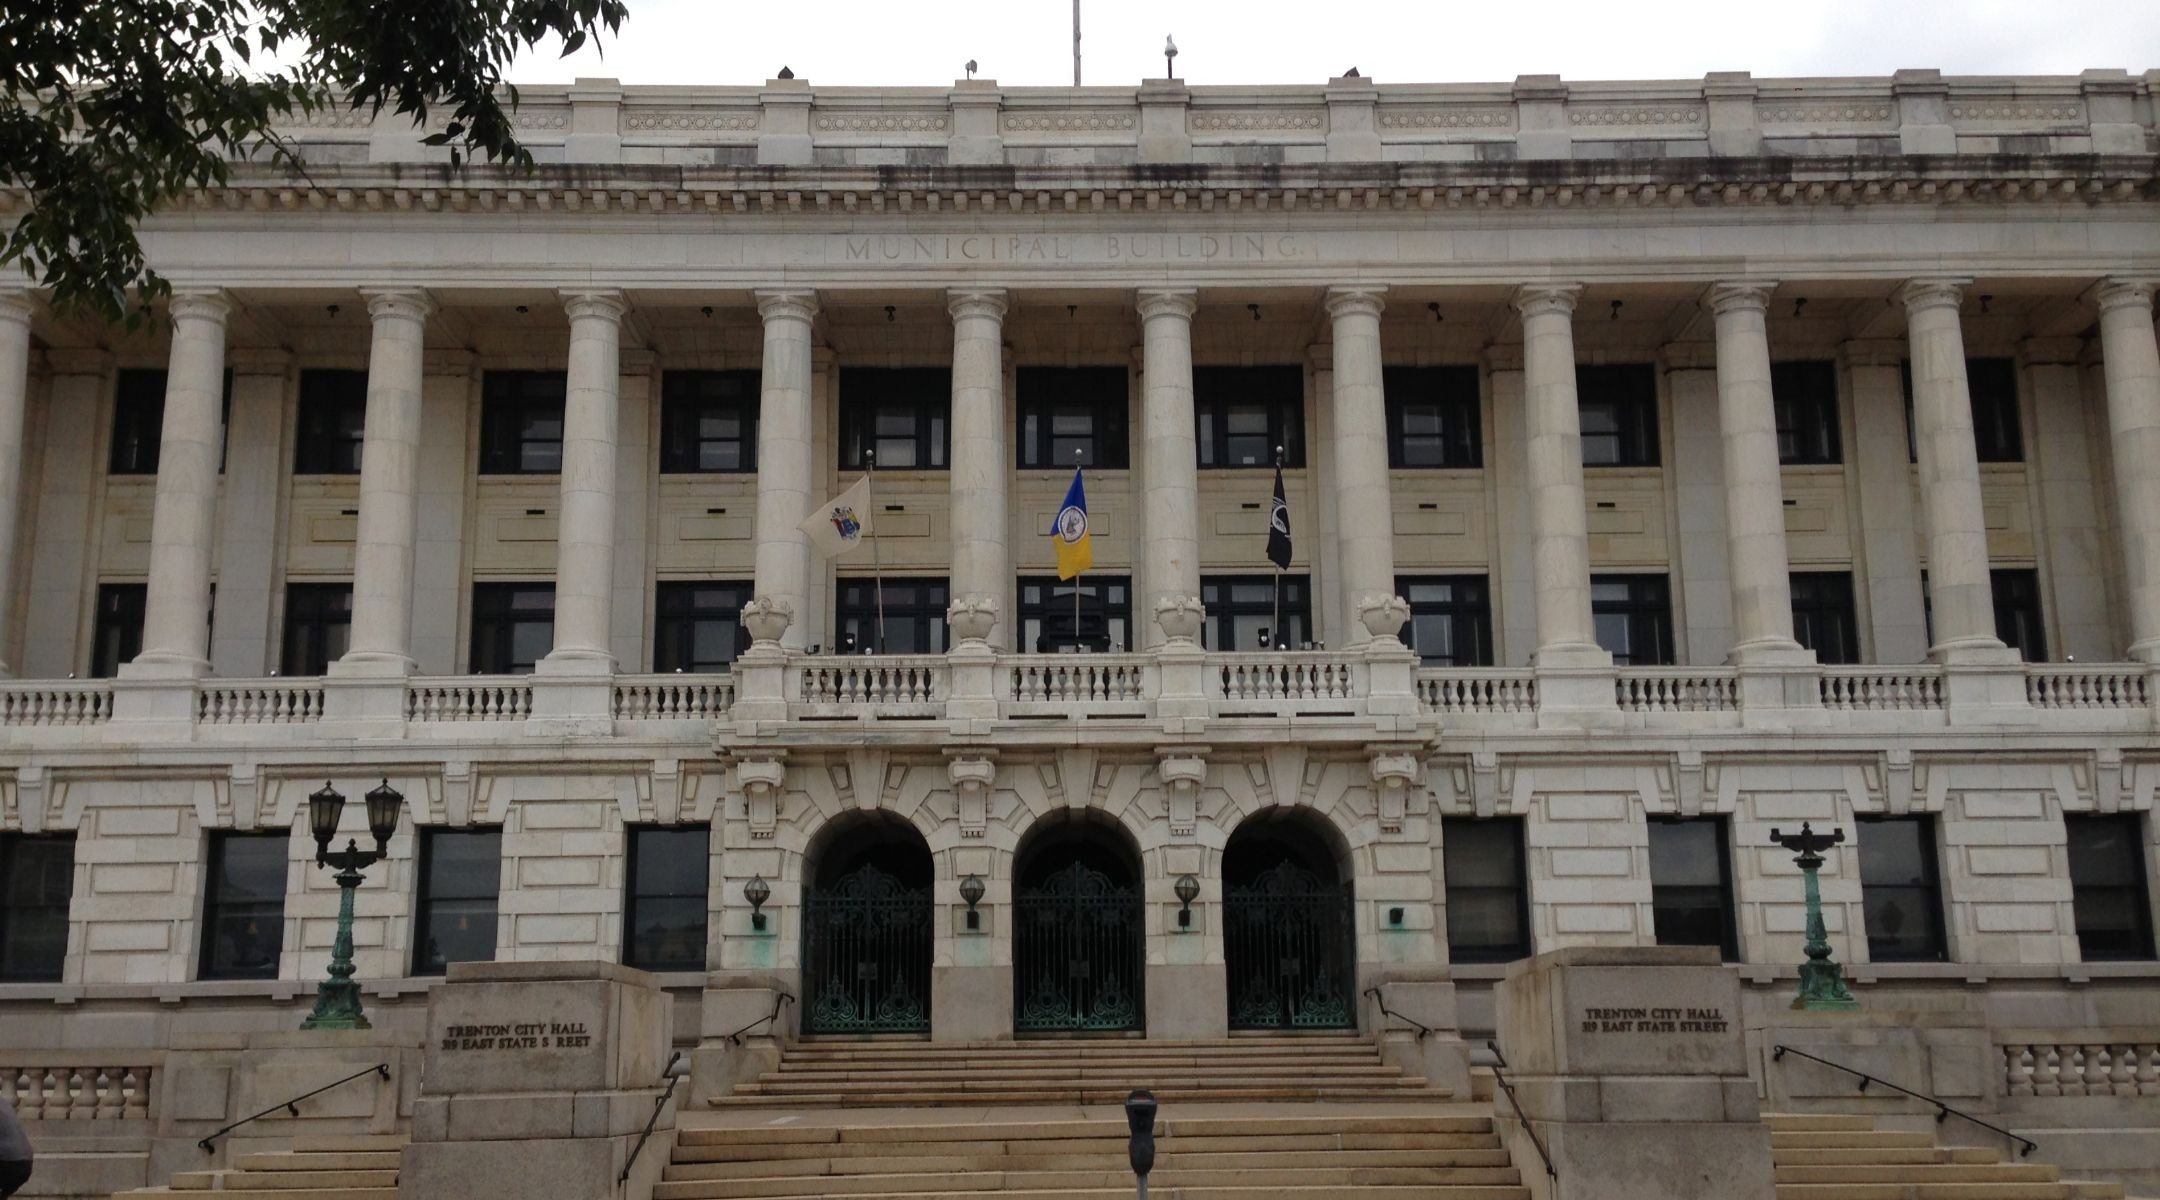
[(337, 998)]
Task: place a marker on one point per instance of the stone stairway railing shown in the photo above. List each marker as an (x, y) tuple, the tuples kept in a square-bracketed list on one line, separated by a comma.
[(2103, 1062), (63, 1092)]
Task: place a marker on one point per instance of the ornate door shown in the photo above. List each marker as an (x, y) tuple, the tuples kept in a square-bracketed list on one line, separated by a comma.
[(1289, 948), (1078, 953), (866, 956)]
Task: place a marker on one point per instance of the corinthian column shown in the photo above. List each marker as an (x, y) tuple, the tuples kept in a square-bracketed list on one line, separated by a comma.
[(1754, 487), (1959, 590), (14, 396), (784, 462), (389, 485), (176, 624), (2131, 361), (981, 566), (1366, 514), (1172, 552), (1559, 528), (585, 539)]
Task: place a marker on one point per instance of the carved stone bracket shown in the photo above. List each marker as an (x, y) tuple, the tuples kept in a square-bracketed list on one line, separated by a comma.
[(1394, 771), (972, 773), (760, 779), (1183, 774)]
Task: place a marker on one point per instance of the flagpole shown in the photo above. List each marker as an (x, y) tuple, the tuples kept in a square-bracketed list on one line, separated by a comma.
[(1276, 626), (877, 565), (1078, 453)]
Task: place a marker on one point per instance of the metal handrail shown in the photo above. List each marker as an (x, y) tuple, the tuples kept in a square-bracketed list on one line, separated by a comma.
[(1422, 1029), (667, 1072), (1508, 1089), (291, 1106), (1943, 1112), (783, 998)]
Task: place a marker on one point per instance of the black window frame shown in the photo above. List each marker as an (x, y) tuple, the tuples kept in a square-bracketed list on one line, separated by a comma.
[(317, 627), (1042, 394), (635, 851), (429, 898), (678, 612), (1451, 837), (116, 632), (1224, 609), (217, 907), (16, 962), (1452, 392), (509, 400), (1475, 609), (1998, 426), (492, 642), (2020, 611), (914, 614), (1631, 391), (1823, 604), (1936, 937), (1680, 898), (1643, 613), (2132, 891), (1804, 395), (922, 394), (330, 425), (1217, 390), (138, 423), (1044, 616), (687, 398)]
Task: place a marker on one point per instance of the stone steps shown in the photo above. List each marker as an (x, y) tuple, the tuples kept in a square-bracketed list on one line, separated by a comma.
[(318, 1167), (1840, 1157)]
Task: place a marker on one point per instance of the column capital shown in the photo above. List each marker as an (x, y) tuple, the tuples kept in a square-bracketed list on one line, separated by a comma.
[(591, 304), (1723, 298), (786, 304), (1168, 302), (2118, 292), (989, 303), (1539, 299), (1871, 352), (2051, 351), (205, 304), (259, 360), (391, 303), (15, 305), (1920, 294), (1356, 301), (1687, 356)]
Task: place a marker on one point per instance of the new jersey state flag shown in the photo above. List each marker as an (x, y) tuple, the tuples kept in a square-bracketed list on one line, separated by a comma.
[(1075, 546), (841, 523)]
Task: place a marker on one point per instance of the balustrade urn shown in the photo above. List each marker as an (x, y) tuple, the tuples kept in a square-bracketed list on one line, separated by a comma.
[(767, 619)]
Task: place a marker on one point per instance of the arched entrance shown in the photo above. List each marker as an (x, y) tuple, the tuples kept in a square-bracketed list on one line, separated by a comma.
[(867, 928), (1289, 937), (1079, 944)]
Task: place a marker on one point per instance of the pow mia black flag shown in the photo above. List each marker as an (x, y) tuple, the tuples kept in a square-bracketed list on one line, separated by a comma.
[(1278, 534)]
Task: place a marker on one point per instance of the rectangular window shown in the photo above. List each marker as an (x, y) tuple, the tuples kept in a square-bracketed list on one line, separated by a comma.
[(2017, 612), (513, 626), (1256, 612), (1691, 896), (138, 422), (2108, 887), (1823, 616), (1242, 414), (318, 627), (37, 879), (708, 422), (1072, 416), (1432, 415), (1997, 435), (1900, 890), (1633, 615), (117, 637), (665, 902), (454, 914), (1047, 613), (914, 616), (243, 928), (1804, 395), (521, 422), (1618, 409), (1488, 889), (1450, 619), (697, 626), (333, 416), (902, 413)]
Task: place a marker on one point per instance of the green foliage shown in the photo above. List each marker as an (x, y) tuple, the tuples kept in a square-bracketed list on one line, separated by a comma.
[(111, 108)]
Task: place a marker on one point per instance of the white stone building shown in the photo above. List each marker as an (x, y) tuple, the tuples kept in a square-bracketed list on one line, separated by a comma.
[(1748, 452)]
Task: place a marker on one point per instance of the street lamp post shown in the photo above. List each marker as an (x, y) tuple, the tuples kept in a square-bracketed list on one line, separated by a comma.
[(337, 999), (1822, 981)]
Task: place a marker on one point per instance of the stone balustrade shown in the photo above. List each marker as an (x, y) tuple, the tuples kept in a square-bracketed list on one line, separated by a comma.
[(677, 697), (1676, 690), (2118, 1062), (63, 1091), (1881, 689), (259, 701)]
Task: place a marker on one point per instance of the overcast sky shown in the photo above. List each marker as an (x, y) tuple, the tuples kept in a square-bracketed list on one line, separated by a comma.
[(1028, 42)]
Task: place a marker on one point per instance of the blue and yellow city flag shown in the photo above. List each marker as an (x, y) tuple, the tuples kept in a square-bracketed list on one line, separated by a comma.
[(1075, 549)]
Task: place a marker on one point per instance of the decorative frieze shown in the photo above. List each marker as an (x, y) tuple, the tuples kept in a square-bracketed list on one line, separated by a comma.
[(1070, 121), (1446, 117), (1624, 116), (1816, 116), (1271, 120), (690, 120), (2052, 112), (919, 121)]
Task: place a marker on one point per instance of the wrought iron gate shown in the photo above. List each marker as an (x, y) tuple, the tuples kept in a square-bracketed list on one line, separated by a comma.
[(1289, 948), (866, 956), (1077, 954)]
